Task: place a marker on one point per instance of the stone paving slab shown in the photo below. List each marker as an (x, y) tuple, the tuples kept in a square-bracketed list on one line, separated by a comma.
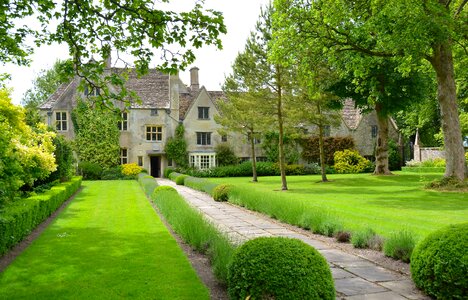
[(355, 277)]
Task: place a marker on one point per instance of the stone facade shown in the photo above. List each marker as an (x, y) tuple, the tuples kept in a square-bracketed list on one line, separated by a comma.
[(165, 102)]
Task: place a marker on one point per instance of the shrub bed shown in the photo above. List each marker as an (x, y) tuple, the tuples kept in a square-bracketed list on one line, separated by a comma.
[(439, 263), (279, 268), (200, 184), (194, 229), (400, 245), (147, 182), (19, 218)]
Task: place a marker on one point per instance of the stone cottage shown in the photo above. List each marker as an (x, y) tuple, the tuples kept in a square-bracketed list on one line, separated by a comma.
[(165, 102)]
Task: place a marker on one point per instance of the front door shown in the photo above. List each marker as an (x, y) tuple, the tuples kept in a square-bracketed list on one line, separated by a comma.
[(155, 168)]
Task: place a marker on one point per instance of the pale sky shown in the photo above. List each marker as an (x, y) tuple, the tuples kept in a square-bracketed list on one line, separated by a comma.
[(240, 17)]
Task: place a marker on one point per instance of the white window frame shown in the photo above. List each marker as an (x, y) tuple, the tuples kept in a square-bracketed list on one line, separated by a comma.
[(60, 122), (202, 161), (155, 133)]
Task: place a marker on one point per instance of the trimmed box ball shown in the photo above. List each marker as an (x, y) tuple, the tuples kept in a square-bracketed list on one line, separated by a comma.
[(279, 268), (439, 263)]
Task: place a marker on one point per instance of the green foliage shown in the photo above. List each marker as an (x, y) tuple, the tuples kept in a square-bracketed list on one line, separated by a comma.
[(148, 183), (180, 179), (162, 188), (350, 161), (131, 169), (97, 136), (270, 148), (89, 170), (176, 147), (331, 145), (63, 158), (26, 155), (19, 218), (199, 184), (394, 156), (400, 245), (225, 155), (279, 268), (168, 171), (221, 192), (153, 31), (363, 238), (448, 184), (194, 229), (439, 263)]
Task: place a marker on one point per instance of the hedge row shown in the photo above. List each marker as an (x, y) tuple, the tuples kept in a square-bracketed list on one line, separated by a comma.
[(192, 227), (18, 219), (311, 149), (423, 169), (245, 169)]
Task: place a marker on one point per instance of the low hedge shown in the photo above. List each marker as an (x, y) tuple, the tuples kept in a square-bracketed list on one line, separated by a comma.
[(221, 192), (279, 268), (194, 229), (147, 182), (19, 218), (200, 184), (423, 169), (439, 263)]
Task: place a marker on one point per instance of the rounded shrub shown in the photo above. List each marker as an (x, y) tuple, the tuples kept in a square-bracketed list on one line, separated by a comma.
[(350, 161), (90, 170), (279, 268), (221, 192), (180, 179), (439, 263), (168, 171), (162, 188)]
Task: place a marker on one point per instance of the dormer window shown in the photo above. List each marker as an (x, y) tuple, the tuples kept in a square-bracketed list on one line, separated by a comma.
[(92, 91), (203, 113)]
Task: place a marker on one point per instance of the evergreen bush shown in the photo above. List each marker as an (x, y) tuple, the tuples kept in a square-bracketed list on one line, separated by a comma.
[(162, 188), (168, 171), (311, 150), (439, 263), (90, 170), (279, 268), (350, 162), (180, 179), (221, 192), (225, 155)]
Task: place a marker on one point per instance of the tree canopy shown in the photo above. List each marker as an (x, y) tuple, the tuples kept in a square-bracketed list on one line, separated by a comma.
[(141, 28)]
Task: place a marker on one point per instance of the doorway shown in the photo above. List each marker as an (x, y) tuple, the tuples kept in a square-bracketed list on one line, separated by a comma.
[(155, 166)]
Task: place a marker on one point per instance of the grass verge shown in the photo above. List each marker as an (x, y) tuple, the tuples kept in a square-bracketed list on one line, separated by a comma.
[(107, 244)]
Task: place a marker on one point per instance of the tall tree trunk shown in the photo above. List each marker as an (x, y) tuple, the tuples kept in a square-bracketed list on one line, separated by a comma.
[(253, 156), (442, 62), (284, 184), (321, 147), (381, 153), (322, 155)]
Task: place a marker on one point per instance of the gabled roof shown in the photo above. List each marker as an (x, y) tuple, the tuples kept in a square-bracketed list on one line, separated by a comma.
[(186, 100), (351, 115), (152, 88)]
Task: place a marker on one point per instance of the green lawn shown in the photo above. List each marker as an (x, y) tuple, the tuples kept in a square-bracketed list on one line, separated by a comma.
[(385, 203), (107, 244)]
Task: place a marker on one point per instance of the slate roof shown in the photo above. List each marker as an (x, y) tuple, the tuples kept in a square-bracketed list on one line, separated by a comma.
[(152, 88)]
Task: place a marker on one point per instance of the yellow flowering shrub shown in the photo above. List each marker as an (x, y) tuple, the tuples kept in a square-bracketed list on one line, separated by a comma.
[(131, 169)]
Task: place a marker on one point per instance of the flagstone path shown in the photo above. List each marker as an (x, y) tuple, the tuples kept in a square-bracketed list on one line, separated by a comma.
[(355, 277)]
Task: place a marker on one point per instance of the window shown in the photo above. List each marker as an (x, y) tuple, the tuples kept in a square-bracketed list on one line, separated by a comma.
[(374, 131), (154, 112), (169, 162), (326, 130), (123, 123), (224, 138), (123, 156), (203, 138), (256, 138), (140, 161), (92, 91), (203, 113), (61, 122), (154, 133), (203, 160)]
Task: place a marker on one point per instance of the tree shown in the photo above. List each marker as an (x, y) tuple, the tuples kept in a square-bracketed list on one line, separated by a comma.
[(140, 28), (412, 31), (44, 85), (176, 147), (373, 83), (26, 155), (96, 134)]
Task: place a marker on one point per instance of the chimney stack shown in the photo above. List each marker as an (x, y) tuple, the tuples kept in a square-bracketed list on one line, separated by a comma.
[(109, 61), (194, 84)]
